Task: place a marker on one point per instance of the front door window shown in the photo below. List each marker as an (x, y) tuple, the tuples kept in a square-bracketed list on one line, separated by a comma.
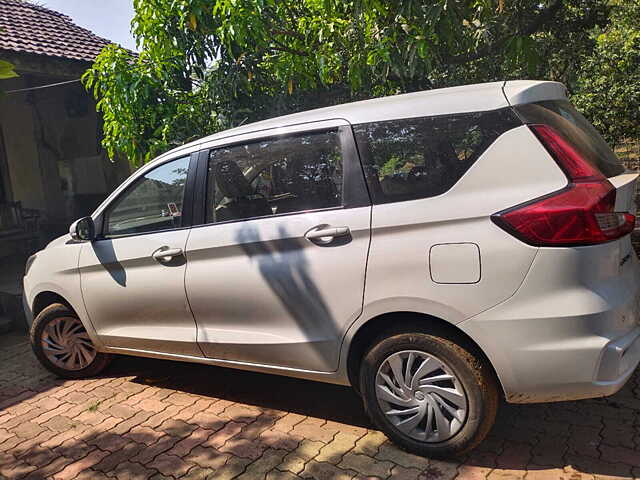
[(152, 204)]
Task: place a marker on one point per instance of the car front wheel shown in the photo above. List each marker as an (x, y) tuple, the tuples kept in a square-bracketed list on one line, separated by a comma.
[(63, 346), (428, 394)]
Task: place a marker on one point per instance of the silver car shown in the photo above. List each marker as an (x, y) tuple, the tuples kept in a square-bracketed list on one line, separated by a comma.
[(438, 251)]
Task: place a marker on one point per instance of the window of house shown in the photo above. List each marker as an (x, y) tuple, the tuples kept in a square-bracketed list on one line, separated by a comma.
[(4, 177), (153, 203), (275, 176), (422, 157), (3, 193)]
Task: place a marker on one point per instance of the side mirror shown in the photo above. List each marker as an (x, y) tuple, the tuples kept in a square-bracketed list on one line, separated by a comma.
[(83, 229)]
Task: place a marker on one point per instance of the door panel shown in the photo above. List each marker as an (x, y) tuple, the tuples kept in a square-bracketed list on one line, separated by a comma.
[(263, 293), (132, 277), (134, 300), (277, 274)]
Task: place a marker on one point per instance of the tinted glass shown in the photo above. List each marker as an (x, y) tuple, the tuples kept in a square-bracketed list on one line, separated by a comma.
[(423, 157), (153, 203), (563, 116), (275, 176)]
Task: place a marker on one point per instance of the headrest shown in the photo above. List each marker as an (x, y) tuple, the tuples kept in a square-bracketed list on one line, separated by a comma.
[(230, 180)]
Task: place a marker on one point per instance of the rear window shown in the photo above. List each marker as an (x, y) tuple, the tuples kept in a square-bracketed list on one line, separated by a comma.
[(563, 116), (422, 157)]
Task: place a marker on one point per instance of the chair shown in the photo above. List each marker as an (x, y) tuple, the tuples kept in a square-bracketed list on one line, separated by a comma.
[(19, 225)]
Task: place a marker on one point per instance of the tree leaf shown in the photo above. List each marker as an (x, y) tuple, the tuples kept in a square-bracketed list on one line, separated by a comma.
[(7, 70), (204, 65)]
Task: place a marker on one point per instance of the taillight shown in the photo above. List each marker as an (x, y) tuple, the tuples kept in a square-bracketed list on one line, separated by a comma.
[(583, 213), (574, 165)]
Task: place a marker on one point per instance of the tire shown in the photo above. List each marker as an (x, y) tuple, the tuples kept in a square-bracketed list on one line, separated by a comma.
[(462, 374), (74, 355)]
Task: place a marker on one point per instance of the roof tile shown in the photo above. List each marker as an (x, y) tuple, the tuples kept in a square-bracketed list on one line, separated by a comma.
[(29, 28)]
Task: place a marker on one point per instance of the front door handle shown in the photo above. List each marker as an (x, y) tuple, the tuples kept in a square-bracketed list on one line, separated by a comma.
[(166, 254), (325, 234)]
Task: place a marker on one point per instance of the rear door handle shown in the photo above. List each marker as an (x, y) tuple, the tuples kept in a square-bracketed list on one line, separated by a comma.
[(166, 254), (324, 234)]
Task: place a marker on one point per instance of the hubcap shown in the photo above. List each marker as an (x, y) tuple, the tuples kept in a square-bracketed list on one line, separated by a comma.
[(421, 396), (67, 345)]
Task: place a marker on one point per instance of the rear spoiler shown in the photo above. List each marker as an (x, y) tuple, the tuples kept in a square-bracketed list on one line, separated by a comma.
[(517, 92)]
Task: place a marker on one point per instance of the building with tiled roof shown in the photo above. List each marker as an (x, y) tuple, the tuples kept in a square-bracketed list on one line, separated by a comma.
[(52, 165), (30, 28)]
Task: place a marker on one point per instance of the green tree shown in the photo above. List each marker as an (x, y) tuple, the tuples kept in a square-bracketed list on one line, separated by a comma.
[(7, 70), (207, 65), (609, 78)]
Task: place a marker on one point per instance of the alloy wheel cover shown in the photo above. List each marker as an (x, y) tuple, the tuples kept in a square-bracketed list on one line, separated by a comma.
[(67, 345), (421, 396)]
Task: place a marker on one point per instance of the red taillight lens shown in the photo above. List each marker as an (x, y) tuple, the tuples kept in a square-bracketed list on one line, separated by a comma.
[(573, 164), (581, 214)]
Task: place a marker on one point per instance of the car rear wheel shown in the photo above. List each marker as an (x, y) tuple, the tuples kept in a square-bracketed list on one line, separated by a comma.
[(428, 394), (63, 346)]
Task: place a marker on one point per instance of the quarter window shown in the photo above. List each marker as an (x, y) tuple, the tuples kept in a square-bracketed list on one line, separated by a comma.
[(423, 157), (275, 176), (154, 202)]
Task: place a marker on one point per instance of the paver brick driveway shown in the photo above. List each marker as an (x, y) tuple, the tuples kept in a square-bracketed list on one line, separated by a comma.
[(156, 419)]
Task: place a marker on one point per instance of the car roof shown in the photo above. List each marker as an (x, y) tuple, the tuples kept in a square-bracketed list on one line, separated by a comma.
[(452, 100)]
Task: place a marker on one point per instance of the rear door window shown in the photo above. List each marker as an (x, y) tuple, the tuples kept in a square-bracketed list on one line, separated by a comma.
[(572, 125), (423, 157), (275, 176)]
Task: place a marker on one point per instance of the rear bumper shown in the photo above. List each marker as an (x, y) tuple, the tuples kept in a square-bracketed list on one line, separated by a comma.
[(571, 331), (586, 367), (617, 361)]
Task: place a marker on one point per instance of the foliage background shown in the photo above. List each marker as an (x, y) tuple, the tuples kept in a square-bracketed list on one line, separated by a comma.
[(6, 69), (207, 65)]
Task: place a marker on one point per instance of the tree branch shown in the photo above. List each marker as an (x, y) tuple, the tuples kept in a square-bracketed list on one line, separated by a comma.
[(288, 33), (283, 48), (497, 45)]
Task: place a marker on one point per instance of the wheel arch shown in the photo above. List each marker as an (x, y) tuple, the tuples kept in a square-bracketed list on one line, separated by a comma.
[(43, 299), (407, 321), (48, 296)]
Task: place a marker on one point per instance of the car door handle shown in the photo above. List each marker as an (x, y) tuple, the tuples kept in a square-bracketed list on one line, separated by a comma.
[(323, 234), (166, 254)]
